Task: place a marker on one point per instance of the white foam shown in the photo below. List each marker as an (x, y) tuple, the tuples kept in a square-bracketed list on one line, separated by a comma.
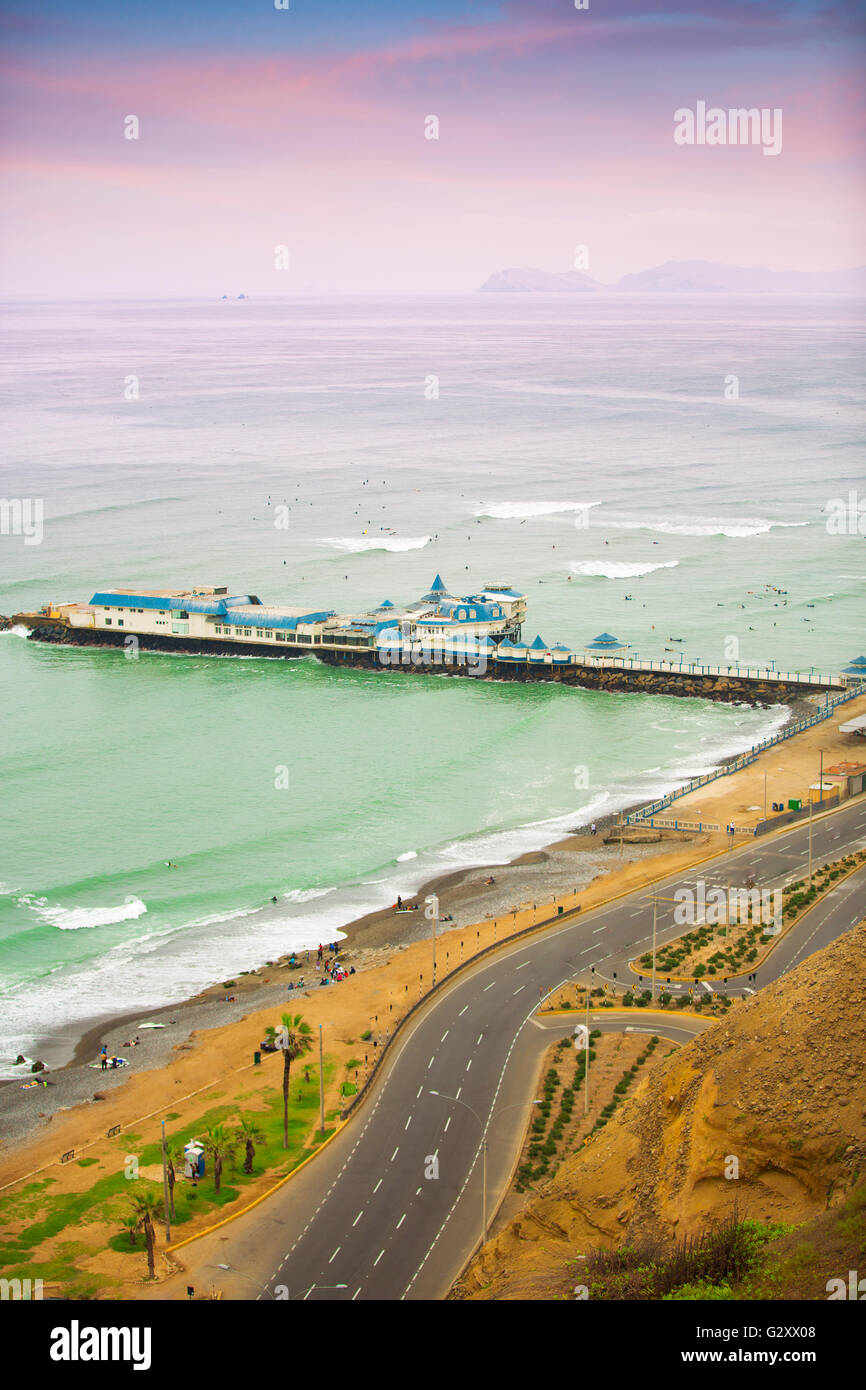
[(76, 918), (705, 526), (19, 630), (356, 544), (410, 854), (610, 569), (505, 511), (306, 895)]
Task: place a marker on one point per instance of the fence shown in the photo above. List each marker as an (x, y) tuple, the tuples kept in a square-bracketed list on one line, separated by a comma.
[(645, 813)]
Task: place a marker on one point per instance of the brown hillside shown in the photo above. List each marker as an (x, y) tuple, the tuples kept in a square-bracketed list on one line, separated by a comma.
[(779, 1085)]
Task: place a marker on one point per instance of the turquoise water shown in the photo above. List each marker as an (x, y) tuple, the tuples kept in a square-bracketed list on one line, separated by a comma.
[(113, 767)]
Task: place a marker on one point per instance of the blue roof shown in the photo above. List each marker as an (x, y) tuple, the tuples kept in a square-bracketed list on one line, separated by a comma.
[(437, 586), (208, 605), (161, 602), (460, 610), (109, 600), (255, 617), (386, 603), (539, 645)]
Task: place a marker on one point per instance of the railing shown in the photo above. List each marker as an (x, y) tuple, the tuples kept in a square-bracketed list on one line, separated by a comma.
[(646, 812)]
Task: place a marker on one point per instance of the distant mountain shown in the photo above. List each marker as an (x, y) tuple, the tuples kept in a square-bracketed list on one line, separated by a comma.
[(523, 281), (685, 277), (711, 277)]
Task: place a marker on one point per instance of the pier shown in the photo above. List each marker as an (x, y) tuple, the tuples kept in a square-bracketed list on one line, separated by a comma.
[(476, 635)]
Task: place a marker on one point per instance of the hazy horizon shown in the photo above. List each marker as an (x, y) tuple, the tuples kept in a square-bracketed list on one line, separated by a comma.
[(308, 129)]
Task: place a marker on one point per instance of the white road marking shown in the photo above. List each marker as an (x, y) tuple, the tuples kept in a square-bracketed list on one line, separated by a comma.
[(395, 1153), (517, 991), (378, 1258), (400, 1222), (463, 1010), (408, 1122), (487, 987), (447, 1123), (445, 1035), (378, 1185), (335, 1254), (469, 1064), (357, 1218)]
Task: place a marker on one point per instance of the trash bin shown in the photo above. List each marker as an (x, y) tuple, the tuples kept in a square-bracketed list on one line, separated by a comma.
[(795, 804), (257, 1059), (559, 910)]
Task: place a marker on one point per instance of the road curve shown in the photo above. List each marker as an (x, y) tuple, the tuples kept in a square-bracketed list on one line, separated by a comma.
[(392, 1208)]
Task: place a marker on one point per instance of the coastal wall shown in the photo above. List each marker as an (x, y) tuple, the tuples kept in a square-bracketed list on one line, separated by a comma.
[(726, 688)]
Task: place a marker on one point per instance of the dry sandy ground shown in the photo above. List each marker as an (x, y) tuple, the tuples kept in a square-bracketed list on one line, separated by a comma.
[(210, 1044)]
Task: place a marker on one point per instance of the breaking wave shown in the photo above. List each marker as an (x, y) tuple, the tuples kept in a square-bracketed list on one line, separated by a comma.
[(76, 918), (355, 544), (505, 511), (609, 569), (706, 526)]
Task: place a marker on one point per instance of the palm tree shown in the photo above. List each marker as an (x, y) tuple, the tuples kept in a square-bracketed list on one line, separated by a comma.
[(130, 1226), (146, 1208), (220, 1144), (295, 1039), (173, 1155), (249, 1133)]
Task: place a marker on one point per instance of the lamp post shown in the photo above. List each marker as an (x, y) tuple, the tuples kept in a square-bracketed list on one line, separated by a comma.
[(231, 1270), (811, 808), (321, 1085), (655, 919), (165, 1197), (484, 1129), (431, 912), (264, 1288)]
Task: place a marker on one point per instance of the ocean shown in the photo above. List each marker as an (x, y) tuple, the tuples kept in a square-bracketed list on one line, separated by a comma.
[(594, 452)]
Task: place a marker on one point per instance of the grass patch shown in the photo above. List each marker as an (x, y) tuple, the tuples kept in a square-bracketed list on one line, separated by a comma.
[(45, 1215)]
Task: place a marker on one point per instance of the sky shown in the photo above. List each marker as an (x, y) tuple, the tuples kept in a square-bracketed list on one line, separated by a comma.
[(306, 128)]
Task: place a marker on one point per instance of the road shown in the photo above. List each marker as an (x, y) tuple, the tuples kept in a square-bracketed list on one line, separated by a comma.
[(392, 1207)]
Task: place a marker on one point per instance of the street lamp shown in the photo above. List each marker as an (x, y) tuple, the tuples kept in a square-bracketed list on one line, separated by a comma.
[(811, 807), (231, 1270), (484, 1129), (431, 912), (264, 1288)]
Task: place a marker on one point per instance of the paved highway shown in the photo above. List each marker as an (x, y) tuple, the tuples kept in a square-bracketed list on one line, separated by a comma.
[(391, 1208)]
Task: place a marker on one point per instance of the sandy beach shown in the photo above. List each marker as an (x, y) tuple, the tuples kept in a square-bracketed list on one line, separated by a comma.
[(209, 1041)]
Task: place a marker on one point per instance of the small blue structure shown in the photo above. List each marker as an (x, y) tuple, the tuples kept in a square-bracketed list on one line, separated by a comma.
[(605, 642)]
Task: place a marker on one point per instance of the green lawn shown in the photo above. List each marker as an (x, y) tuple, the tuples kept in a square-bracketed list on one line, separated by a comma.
[(107, 1199)]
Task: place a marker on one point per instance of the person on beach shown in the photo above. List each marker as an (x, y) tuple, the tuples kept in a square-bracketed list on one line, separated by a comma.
[(594, 828), (103, 1058), (399, 903)]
